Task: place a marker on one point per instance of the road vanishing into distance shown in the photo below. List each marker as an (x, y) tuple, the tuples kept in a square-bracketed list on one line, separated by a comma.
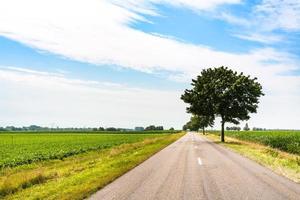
[(196, 168)]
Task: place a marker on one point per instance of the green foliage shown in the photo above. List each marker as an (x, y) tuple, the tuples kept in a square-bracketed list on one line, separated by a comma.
[(246, 128), (288, 141), (224, 93), (16, 149), (111, 129), (152, 128), (221, 91), (196, 122), (233, 128)]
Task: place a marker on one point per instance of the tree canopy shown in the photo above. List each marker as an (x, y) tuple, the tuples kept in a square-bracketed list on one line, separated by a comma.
[(224, 93), (199, 122)]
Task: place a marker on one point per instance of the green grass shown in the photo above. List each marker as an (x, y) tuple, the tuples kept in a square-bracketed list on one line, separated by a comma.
[(17, 149), (281, 162), (78, 176), (288, 141)]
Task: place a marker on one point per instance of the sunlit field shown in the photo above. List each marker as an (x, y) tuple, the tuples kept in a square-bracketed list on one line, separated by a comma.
[(17, 149), (71, 165)]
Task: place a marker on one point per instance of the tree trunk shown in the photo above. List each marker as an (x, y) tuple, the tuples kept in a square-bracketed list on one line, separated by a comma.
[(222, 132), (203, 129)]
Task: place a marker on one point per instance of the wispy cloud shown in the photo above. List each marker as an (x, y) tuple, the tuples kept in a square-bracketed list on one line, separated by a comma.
[(97, 32), (266, 38), (148, 6), (265, 18), (30, 71), (279, 14), (234, 19)]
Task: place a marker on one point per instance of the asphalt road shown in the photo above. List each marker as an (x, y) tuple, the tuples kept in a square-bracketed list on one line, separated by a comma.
[(196, 168)]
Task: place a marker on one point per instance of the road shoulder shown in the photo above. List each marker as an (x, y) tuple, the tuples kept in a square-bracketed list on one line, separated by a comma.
[(282, 163)]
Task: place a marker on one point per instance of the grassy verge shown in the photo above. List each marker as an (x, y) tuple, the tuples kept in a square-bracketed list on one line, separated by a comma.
[(77, 177), (288, 141), (280, 162)]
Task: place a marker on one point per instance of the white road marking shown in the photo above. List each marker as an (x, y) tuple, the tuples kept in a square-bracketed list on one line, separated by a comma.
[(199, 161)]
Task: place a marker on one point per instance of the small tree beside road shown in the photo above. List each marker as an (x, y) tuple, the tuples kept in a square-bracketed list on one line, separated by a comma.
[(204, 121), (199, 122)]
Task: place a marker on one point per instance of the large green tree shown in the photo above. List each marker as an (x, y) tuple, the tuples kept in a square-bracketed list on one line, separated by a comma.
[(224, 93)]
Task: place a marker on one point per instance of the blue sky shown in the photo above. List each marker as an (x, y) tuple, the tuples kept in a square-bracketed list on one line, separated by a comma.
[(126, 63)]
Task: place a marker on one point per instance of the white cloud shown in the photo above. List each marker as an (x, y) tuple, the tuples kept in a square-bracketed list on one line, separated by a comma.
[(279, 14), (29, 71), (97, 32), (47, 99), (265, 18), (266, 38), (148, 6), (234, 19)]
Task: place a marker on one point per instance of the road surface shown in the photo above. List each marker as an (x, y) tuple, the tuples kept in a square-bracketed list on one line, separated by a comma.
[(196, 168)]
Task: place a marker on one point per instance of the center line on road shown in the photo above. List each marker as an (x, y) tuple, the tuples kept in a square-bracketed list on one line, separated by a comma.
[(199, 161)]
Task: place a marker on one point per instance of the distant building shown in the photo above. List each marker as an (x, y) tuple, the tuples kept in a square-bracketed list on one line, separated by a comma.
[(139, 128)]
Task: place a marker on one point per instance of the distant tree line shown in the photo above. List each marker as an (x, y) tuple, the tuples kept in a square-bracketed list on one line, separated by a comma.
[(258, 129), (25, 128), (246, 128), (233, 128), (148, 128), (111, 129), (40, 128), (154, 128)]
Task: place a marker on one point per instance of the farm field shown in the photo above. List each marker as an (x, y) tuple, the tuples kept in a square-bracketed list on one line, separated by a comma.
[(288, 141), (24, 148), (98, 160)]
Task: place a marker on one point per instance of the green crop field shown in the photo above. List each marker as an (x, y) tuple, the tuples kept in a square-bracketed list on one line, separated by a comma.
[(97, 159), (23, 148), (288, 141)]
